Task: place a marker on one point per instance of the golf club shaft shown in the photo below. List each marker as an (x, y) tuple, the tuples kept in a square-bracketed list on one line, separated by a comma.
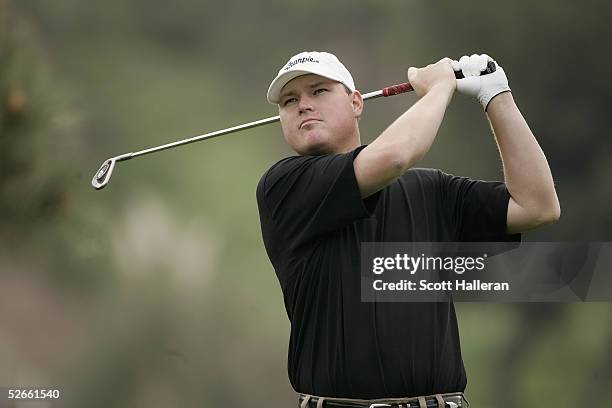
[(103, 175), (389, 91)]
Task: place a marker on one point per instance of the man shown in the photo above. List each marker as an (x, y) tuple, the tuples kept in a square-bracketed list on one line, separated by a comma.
[(316, 208)]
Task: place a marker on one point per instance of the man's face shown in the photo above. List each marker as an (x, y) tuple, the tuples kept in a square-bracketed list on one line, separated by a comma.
[(318, 116)]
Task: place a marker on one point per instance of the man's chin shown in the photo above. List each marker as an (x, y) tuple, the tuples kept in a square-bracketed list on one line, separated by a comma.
[(315, 149)]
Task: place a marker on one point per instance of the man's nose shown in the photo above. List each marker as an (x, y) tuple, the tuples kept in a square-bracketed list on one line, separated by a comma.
[(305, 103)]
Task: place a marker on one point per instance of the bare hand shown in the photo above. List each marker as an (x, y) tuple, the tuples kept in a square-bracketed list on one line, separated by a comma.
[(438, 75)]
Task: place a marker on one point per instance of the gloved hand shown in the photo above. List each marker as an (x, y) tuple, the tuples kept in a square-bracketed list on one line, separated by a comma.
[(484, 87)]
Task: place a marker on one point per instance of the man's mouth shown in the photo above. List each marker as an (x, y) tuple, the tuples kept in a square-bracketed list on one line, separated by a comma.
[(308, 121)]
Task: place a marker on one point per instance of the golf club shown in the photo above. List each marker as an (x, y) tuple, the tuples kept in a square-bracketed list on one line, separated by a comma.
[(103, 175)]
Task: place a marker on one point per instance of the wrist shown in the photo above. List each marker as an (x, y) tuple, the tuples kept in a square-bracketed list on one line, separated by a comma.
[(443, 89), (500, 101)]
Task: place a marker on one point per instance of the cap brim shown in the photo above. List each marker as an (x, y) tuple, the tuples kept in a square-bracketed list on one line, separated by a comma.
[(279, 82)]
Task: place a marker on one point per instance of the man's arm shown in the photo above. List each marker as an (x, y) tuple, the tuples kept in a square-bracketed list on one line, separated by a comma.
[(410, 136), (533, 201)]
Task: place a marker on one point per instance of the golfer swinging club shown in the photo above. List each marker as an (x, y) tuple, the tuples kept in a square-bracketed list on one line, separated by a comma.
[(315, 209)]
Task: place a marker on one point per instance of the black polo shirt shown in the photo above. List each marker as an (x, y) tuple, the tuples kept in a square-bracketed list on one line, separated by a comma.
[(313, 220)]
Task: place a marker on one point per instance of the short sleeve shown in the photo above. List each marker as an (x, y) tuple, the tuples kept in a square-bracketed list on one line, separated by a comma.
[(305, 197), (478, 209)]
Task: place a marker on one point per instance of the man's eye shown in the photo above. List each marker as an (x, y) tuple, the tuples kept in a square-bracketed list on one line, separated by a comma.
[(288, 100), (319, 90)]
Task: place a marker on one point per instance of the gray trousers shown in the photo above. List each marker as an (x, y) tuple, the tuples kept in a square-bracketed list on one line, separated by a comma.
[(451, 400)]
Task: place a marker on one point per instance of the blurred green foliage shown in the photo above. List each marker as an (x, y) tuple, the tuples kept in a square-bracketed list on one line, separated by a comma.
[(157, 291)]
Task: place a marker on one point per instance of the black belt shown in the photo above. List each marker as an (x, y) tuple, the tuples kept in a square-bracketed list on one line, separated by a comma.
[(454, 400)]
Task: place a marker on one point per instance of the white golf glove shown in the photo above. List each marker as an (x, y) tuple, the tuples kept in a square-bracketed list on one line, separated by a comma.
[(484, 87)]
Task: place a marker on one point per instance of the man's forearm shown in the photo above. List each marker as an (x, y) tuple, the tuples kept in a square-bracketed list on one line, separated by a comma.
[(526, 171), (411, 135)]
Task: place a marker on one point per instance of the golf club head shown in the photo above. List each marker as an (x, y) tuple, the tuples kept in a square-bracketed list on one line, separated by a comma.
[(102, 176)]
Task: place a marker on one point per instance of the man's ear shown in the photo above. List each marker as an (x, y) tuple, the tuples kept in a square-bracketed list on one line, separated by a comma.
[(357, 102)]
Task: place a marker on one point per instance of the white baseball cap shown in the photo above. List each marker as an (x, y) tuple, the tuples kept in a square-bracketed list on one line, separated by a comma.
[(310, 62)]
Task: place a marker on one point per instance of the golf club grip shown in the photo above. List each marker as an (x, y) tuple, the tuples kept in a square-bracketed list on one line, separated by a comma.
[(397, 89), (406, 87)]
